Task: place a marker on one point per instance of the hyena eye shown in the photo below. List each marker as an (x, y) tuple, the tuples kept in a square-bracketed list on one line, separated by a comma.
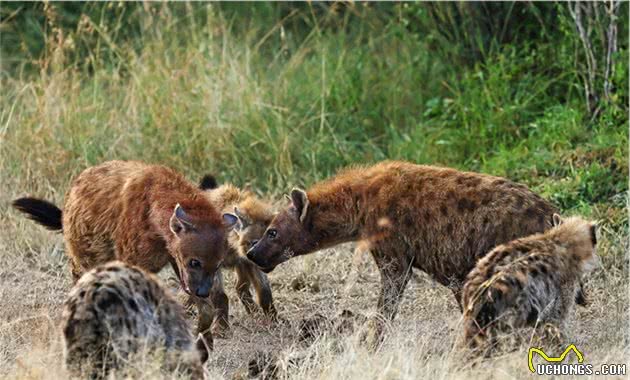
[(253, 243), (194, 264), (272, 233)]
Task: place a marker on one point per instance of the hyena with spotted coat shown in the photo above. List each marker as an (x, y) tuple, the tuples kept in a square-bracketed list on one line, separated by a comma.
[(146, 215), (529, 282), (115, 311), (435, 219), (253, 216)]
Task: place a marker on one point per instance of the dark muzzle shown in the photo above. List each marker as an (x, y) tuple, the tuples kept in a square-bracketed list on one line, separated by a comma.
[(203, 291)]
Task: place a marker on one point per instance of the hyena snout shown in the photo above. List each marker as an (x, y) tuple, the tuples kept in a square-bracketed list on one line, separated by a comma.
[(258, 254), (203, 289), (261, 263)]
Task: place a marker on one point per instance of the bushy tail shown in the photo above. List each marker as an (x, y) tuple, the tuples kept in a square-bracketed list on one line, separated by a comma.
[(41, 211)]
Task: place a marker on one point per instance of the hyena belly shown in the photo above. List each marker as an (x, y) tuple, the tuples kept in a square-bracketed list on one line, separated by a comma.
[(115, 311)]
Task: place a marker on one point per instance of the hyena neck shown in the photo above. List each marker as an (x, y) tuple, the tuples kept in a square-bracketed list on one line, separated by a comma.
[(334, 219)]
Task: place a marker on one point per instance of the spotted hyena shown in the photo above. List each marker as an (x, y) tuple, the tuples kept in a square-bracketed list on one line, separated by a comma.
[(146, 215), (253, 216), (115, 311), (529, 282), (436, 219)]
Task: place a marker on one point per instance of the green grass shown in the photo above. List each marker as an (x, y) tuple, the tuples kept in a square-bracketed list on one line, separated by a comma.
[(278, 96)]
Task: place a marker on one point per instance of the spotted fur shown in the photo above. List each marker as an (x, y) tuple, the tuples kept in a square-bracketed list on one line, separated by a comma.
[(529, 282), (436, 219), (115, 311)]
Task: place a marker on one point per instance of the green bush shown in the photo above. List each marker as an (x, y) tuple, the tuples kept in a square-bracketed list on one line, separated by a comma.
[(274, 95)]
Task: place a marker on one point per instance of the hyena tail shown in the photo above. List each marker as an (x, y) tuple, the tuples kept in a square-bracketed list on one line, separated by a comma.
[(40, 211), (208, 182)]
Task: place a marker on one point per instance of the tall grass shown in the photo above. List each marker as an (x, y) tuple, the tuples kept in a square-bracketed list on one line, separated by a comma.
[(275, 96)]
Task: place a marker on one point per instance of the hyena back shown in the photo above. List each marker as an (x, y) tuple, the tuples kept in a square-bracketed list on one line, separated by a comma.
[(115, 311), (529, 282)]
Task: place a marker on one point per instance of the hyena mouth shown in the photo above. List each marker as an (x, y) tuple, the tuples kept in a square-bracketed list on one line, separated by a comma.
[(185, 287), (268, 269)]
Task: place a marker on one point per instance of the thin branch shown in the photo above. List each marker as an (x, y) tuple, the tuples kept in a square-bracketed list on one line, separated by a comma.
[(611, 10)]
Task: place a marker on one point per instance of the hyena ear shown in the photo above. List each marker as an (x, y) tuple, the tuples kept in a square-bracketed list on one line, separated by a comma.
[(557, 220), (202, 347), (242, 218), (300, 202), (180, 221), (230, 221)]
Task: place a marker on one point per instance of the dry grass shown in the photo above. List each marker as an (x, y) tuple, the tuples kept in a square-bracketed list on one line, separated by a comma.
[(35, 279), (276, 114)]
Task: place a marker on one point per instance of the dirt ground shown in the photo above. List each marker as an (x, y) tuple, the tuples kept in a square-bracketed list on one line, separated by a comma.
[(34, 279)]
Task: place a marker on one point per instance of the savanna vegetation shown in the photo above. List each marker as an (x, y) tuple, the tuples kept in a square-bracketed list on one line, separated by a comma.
[(276, 95)]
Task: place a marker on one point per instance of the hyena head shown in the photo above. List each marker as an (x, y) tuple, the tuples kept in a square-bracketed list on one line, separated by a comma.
[(199, 248), (580, 237), (253, 217), (287, 235)]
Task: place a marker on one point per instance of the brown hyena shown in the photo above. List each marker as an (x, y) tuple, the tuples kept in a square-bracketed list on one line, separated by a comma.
[(436, 219), (116, 311), (253, 216), (529, 282), (145, 215)]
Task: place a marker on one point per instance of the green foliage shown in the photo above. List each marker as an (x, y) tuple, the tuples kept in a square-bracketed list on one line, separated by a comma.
[(275, 95)]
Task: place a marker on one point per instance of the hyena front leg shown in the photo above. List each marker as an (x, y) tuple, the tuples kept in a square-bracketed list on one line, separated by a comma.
[(214, 313), (395, 273), (242, 286), (209, 314), (204, 323), (221, 308), (263, 289)]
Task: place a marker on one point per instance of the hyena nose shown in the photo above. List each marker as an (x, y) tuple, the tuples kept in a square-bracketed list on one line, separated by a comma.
[(250, 255), (202, 292)]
